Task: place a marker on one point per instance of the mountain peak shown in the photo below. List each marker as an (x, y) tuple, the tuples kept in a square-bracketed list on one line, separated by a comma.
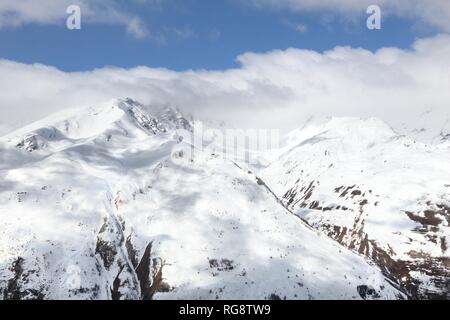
[(126, 117)]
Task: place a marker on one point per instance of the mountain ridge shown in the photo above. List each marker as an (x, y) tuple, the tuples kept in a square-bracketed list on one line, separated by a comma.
[(381, 193), (139, 219)]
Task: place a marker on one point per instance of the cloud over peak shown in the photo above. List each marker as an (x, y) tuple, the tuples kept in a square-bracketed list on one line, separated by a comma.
[(278, 89)]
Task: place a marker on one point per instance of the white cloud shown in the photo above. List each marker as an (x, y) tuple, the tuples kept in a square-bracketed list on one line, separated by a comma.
[(276, 89), (433, 12), (296, 26), (14, 13)]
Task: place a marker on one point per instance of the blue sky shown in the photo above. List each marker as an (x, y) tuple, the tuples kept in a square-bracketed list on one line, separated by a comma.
[(199, 34)]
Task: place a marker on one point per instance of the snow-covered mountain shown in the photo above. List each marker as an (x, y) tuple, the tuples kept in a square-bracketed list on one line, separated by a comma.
[(383, 194), (430, 127), (104, 203)]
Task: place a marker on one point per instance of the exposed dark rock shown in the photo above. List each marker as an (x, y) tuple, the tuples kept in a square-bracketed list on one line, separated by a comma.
[(158, 284), (13, 292), (221, 265), (274, 296), (367, 292), (356, 193), (115, 291), (107, 252), (131, 251), (14, 289), (143, 269), (429, 218)]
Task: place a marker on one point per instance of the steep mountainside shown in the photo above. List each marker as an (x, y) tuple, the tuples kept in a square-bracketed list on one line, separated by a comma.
[(385, 195), (104, 203)]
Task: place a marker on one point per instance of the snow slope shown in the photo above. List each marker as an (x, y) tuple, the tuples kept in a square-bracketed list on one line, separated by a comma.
[(104, 203), (385, 195), (430, 127)]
